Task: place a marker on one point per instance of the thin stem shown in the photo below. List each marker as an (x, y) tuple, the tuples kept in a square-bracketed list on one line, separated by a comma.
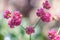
[(23, 27), (36, 23), (30, 36), (58, 30)]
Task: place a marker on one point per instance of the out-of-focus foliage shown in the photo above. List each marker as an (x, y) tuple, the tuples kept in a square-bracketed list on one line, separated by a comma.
[(1, 37), (18, 33)]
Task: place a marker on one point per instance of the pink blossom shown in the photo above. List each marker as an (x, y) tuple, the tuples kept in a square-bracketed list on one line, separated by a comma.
[(15, 20), (52, 34), (46, 5), (57, 37), (40, 12), (30, 30), (11, 23), (7, 14), (47, 17)]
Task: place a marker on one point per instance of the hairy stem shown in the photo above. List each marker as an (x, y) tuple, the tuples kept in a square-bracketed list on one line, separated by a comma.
[(30, 36), (37, 23), (58, 30)]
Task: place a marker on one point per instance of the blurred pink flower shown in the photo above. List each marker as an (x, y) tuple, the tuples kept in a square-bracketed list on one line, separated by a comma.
[(46, 5), (47, 17), (15, 20), (7, 14), (57, 37), (11, 23), (40, 12), (52, 34), (30, 30)]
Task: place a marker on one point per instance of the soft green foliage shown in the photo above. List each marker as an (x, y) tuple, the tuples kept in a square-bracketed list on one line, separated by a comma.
[(1, 37), (18, 33)]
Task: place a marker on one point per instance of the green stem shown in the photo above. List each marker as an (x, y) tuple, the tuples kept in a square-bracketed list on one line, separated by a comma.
[(37, 23), (22, 27), (30, 36)]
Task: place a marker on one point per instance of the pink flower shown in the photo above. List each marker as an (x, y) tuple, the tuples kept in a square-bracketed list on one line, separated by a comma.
[(52, 34), (7, 14), (40, 12), (11, 23), (47, 17), (46, 5), (30, 30), (15, 20), (57, 37)]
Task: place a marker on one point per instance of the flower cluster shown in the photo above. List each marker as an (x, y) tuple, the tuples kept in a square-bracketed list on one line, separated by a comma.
[(30, 30), (15, 18), (7, 14), (40, 12), (46, 5), (53, 35), (45, 16)]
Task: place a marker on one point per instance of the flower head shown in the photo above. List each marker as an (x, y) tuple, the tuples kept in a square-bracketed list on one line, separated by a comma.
[(11, 23), (47, 17), (40, 12), (30, 30), (52, 34), (57, 37), (15, 20), (7, 14), (46, 5)]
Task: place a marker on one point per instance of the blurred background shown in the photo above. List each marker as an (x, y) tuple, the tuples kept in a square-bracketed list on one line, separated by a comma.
[(28, 8)]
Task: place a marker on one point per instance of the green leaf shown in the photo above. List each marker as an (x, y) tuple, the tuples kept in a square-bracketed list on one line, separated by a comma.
[(22, 31), (13, 36), (1, 37)]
